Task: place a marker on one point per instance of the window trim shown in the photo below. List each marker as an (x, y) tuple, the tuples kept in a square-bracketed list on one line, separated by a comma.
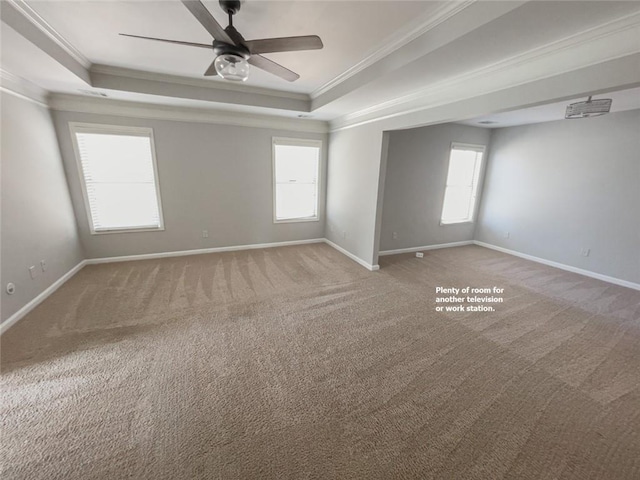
[(296, 142), (464, 146), (80, 127)]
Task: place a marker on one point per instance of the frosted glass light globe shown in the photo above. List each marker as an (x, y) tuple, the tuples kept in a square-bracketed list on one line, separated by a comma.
[(232, 67)]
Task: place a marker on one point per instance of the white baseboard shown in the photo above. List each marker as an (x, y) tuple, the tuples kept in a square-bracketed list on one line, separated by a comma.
[(366, 265), (200, 251), (426, 247), (4, 326), (234, 248), (562, 266)]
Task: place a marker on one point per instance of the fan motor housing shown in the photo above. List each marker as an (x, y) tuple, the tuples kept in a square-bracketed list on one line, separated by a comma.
[(230, 6), (222, 48)]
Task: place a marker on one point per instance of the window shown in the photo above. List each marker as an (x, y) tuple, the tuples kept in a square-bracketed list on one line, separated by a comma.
[(461, 188), (119, 177), (296, 167)]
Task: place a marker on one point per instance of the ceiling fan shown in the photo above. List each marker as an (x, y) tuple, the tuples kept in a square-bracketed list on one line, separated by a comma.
[(233, 52)]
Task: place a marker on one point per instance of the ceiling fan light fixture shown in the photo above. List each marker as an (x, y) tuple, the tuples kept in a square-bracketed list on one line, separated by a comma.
[(232, 53), (231, 66)]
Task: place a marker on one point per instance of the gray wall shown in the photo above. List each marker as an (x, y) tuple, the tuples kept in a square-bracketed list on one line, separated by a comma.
[(357, 158), (352, 194), (417, 164), (38, 222), (562, 186), (212, 177)]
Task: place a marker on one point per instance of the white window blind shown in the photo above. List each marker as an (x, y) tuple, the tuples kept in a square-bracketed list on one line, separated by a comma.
[(296, 167), (118, 169), (462, 183)]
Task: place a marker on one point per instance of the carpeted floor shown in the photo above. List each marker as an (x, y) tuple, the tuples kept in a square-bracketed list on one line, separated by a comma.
[(297, 363)]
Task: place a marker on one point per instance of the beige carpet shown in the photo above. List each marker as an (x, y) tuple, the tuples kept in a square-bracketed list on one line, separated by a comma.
[(296, 363)]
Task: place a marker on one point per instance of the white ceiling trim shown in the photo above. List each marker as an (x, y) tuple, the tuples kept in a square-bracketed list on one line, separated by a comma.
[(625, 60), (441, 15), (195, 82), (19, 87), (30, 14), (161, 85), (614, 75), (19, 16), (609, 41), (25, 11), (103, 106)]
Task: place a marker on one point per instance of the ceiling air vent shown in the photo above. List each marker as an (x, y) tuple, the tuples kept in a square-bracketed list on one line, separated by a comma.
[(590, 108), (487, 122)]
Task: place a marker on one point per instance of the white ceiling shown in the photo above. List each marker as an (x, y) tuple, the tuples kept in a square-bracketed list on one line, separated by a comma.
[(23, 58), (380, 57), (621, 100), (350, 30), (524, 28)]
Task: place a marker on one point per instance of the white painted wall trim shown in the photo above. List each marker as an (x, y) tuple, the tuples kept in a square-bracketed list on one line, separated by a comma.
[(609, 41), (366, 265), (562, 266), (13, 319), (426, 247), (233, 248), (21, 96), (42, 25), (26, 21), (395, 42), (195, 82), (22, 88), (40, 298), (200, 251), (121, 108)]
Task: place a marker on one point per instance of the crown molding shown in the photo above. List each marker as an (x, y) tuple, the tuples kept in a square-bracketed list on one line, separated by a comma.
[(195, 82), (135, 81), (30, 14), (442, 14), (22, 88), (24, 20), (609, 41), (120, 108)]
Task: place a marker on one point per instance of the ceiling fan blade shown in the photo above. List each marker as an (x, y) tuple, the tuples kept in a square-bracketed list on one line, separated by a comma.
[(273, 67), (198, 10), (211, 71), (189, 44), (284, 44)]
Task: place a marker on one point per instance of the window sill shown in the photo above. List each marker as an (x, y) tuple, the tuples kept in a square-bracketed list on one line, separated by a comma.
[(444, 224), (298, 220), (127, 230)]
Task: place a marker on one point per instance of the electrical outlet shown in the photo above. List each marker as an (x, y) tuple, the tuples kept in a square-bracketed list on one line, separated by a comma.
[(43, 265), (32, 271), (585, 252), (205, 233), (394, 235), (419, 254), (507, 234)]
